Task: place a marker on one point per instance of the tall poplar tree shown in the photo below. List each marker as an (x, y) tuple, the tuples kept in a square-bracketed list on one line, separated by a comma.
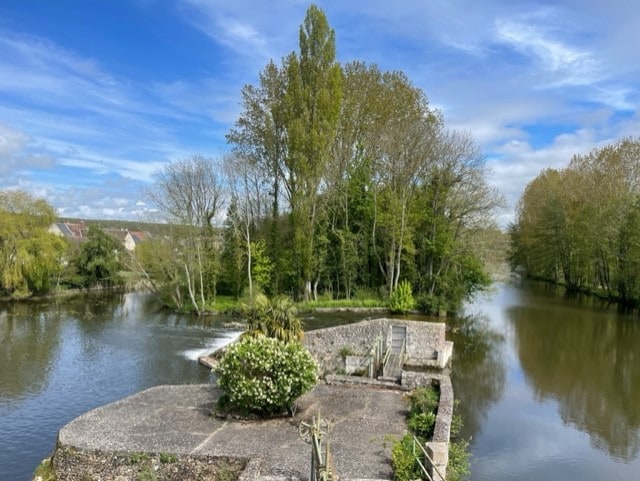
[(312, 106)]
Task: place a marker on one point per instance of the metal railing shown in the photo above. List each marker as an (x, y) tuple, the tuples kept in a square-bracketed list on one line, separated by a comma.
[(430, 476)]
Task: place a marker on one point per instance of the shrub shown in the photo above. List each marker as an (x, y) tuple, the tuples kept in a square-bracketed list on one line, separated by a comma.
[(432, 304), (405, 465), (423, 400), (421, 424), (401, 300), (459, 467), (265, 376), (275, 318)]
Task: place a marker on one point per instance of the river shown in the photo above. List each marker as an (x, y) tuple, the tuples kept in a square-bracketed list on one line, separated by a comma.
[(550, 385)]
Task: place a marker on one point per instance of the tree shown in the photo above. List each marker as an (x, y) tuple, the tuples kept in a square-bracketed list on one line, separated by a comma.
[(273, 318), (455, 206), (29, 255), (189, 194), (246, 188), (260, 138), (312, 107), (577, 226), (98, 262)]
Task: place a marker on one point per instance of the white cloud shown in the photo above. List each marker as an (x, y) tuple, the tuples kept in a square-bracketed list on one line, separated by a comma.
[(569, 65)]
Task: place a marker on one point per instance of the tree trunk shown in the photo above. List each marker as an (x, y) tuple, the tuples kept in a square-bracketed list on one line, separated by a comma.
[(190, 286)]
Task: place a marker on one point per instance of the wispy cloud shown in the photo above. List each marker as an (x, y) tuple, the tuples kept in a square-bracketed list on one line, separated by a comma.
[(567, 65)]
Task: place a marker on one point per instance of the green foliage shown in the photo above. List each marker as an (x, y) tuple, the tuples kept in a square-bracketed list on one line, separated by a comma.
[(431, 304), (30, 257), (98, 261), (167, 458), (261, 265), (459, 467), (401, 299), (263, 375), (421, 424), (346, 351), (137, 458), (405, 465), (423, 404), (578, 226), (275, 318), (424, 399)]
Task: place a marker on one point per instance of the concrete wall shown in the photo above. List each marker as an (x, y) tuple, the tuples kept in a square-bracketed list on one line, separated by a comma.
[(425, 342)]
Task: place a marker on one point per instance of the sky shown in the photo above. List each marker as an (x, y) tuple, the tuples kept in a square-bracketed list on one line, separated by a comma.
[(96, 95)]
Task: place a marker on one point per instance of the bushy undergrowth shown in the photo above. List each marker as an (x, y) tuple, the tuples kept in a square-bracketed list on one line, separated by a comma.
[(264, 376), (423, 405), (401, 300)]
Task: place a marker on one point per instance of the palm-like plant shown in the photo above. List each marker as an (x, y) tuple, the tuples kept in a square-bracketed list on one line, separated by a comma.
[(275, 318)]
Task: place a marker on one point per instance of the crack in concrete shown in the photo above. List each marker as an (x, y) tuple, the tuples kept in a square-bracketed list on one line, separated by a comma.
[(209, 438)]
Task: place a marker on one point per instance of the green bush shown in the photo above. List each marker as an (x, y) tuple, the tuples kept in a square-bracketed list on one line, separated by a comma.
[(423, 400), (459, 467), (405, 465), (421, 424), (401, 300), (432, 304), (265, 376)]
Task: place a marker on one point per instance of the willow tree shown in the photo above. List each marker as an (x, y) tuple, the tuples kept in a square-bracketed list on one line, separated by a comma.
[(30, 256), (312, 108)]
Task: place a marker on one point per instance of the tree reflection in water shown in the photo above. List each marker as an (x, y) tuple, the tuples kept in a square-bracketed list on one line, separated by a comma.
[(479, 369), (30, 339), (588, 362)]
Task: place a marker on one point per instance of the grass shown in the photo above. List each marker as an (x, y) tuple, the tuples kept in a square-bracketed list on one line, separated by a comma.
[(341, 303)]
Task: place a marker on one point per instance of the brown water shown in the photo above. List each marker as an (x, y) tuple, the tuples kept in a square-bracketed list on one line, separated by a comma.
[(550, 386)]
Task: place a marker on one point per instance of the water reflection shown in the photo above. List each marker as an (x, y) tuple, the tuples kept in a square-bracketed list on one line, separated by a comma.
[(61, 357), (29, 339), (587, 361), (479, 370)]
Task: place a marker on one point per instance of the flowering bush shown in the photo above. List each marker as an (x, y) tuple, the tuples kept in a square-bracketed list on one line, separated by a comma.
[(264, 375)]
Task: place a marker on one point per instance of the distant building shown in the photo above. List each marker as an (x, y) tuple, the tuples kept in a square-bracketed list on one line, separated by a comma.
[(70, 230), (133, 238)]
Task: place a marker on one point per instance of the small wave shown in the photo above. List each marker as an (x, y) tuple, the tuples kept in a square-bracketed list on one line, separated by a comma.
[(212, 345)]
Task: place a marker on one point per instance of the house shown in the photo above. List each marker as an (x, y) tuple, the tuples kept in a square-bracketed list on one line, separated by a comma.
[(133, 238), (70, 230)]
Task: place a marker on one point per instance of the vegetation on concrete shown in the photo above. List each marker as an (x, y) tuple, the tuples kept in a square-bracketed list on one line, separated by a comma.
[(423, 405), (79, 465), (45, 471), (264, 376)]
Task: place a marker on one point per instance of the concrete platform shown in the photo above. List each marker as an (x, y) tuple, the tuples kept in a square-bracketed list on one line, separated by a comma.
[(176, 419)]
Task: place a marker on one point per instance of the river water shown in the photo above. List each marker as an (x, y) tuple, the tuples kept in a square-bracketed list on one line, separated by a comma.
[(550, 385)]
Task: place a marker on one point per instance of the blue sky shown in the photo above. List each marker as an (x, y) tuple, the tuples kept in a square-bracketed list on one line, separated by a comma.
[(96, 95)]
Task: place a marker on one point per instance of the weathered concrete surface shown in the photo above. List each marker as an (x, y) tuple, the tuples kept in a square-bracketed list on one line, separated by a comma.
[(175, 419)]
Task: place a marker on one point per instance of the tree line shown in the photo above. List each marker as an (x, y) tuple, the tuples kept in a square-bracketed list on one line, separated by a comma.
[(580, 226), (340, 181)]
